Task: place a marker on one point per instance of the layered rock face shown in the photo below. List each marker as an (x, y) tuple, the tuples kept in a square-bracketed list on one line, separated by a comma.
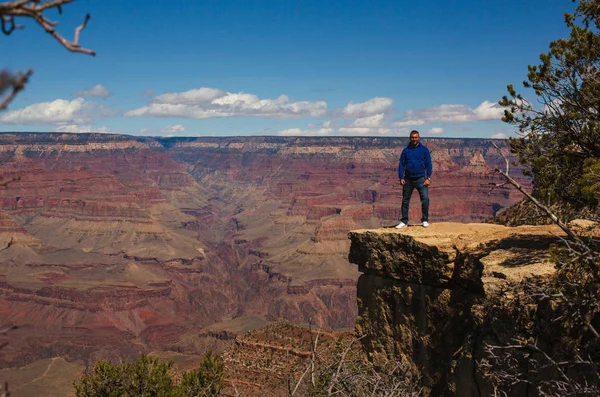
[(95, 260), (438, 298), (114, 244)]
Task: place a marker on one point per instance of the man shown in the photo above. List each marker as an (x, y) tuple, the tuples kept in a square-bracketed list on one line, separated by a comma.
[(414, 172)]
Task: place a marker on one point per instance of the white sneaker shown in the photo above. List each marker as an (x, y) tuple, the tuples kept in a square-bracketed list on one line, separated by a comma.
[(425, 224), (400, 225)]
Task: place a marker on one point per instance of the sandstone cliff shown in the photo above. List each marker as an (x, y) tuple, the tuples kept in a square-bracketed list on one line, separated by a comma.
[(440, 297)]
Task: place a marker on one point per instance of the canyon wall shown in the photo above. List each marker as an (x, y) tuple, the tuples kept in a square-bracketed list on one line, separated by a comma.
[(110, 244)]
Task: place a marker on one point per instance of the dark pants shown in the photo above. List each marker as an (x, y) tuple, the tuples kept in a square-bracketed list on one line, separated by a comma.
[(407, 190)]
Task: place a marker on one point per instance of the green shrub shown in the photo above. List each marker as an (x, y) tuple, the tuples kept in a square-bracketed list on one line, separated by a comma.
[(151, 377)]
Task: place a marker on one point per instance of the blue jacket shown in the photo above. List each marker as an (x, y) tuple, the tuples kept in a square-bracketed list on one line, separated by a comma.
[(415, 162)]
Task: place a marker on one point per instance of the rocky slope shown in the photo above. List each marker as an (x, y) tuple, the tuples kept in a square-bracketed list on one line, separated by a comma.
[(110, 245)]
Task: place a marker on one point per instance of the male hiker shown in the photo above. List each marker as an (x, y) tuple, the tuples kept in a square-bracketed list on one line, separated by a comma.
[(414, 172)]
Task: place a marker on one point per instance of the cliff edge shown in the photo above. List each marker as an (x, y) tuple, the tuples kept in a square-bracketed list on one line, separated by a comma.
[(442, 297)]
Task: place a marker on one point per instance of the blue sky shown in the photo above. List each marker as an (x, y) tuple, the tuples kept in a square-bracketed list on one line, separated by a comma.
[(288, 67)]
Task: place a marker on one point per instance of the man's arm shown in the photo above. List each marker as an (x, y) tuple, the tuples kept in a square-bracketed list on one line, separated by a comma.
[(428, 166), (401, 165)]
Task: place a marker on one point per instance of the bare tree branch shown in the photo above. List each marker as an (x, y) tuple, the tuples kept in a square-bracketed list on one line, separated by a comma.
[(503, 156), (340, 364), (497, 185), (8, 25), (534, 348), (585, 250), (34, 9), (237, 393), (302, 377), (564, 385), (348, 373), (17, 84)]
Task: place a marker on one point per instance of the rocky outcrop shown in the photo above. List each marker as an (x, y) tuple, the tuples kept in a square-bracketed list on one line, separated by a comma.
[(439, 297)]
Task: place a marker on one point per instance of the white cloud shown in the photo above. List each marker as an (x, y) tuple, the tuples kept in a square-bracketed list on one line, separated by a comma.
[(172, 129), (436, 130), (309, 132), (345, 131), (57, 112), (98, 91), (148, 92), (80, 128), (499, 135), (198, 96), (369, 125), (488, 111), (203, 103), (408, 123), (143, 131), (374, 121), (363, 131), (369, 108), (452, 114)]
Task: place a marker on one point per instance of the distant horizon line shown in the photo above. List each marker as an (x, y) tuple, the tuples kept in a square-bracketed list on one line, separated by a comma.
[(240, 136)]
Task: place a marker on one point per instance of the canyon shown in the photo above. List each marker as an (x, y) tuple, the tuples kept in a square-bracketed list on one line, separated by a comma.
[(111, 245)]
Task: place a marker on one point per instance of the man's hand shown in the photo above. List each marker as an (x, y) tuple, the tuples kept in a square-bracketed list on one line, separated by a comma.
[(427, 182), (402, 181)]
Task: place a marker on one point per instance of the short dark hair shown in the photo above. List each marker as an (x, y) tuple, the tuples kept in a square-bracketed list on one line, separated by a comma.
[(413, 132)]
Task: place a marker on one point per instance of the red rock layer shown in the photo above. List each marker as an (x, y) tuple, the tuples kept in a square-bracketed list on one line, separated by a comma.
[(148, 240)]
